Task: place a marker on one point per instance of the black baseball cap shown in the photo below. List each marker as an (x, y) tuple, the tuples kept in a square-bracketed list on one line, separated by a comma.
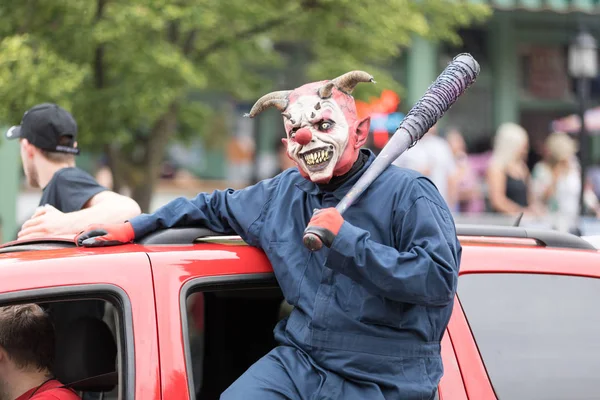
[(48, 127)]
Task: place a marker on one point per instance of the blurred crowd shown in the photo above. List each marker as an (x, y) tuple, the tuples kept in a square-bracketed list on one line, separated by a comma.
[(500, 181)]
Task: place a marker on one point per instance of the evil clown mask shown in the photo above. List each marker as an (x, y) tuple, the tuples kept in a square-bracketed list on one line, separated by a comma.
[(324, 134)]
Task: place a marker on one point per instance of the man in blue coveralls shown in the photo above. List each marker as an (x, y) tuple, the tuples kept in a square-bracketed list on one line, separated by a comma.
[(371, 307)]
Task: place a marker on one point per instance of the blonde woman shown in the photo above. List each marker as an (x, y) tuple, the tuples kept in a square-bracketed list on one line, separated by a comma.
[(557, 181), (508, 178)]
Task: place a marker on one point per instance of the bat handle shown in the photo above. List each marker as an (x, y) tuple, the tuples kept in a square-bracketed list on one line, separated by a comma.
[(315, 237), (312, 240)]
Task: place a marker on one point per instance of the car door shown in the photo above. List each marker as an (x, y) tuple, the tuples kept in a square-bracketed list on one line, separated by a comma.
[(122, 278), (210, 300), (525, 323)]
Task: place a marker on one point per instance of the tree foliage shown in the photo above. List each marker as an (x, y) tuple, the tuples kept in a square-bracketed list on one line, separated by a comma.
[(127, 68)]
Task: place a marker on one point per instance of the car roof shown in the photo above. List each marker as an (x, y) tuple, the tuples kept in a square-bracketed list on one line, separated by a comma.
[(485, 258), (485, 249)]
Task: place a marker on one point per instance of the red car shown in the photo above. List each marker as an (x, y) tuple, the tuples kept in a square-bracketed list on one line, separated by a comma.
[(188, 311)]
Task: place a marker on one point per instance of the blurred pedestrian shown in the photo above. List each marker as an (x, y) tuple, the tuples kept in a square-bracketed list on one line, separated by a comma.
[(104, 175), (283, 159), (432, 157), (469, 195), (508, 178), (592, 190), (71, 198), (557, 181)]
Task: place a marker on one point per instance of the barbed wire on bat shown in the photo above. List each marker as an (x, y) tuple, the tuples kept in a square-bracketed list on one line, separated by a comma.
[(439, 97)]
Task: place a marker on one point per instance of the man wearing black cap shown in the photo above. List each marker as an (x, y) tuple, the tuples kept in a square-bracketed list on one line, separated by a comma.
[(71, 198)]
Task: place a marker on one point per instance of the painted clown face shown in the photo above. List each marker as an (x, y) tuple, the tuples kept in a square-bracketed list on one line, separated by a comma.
[(324, 134)]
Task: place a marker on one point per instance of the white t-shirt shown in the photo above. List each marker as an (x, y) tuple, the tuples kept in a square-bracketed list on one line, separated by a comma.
[(432, 156), (564, 203)]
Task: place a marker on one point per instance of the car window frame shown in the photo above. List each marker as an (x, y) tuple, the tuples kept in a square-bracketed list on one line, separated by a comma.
[(103, 291), (213, 284)]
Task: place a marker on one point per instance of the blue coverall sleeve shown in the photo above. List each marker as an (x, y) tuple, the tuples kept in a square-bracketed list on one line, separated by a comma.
[(423, 270), (228, 212)]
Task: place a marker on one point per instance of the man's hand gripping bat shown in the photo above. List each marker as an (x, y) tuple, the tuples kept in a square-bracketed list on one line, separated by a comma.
[(452, 82)]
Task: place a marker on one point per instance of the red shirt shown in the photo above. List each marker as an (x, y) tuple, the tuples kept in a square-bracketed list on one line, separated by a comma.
[(50, 390)]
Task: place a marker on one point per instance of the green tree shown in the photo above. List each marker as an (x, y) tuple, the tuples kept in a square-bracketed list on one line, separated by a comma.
[(127, 68)]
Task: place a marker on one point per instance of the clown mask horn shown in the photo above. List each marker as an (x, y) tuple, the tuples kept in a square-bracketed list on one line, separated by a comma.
[(274, 99), (345, 83)]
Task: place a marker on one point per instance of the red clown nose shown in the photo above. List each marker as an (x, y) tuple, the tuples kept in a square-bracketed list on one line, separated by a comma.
[(303, 136)]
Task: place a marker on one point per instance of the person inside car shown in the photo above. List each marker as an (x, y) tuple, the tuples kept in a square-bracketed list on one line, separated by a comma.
[(71, 198), (27, 355), (370, 308)]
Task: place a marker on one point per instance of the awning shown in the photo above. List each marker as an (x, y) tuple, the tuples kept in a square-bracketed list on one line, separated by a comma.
[(572, 123), (558, 6)]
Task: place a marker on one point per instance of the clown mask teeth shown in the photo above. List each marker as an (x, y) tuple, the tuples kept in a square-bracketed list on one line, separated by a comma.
[(314, 158)]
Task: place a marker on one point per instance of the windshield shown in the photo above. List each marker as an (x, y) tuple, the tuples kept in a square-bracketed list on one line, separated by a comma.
[(538, 335)]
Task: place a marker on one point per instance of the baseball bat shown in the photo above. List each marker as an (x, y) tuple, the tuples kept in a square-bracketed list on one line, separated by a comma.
[(443, 92)]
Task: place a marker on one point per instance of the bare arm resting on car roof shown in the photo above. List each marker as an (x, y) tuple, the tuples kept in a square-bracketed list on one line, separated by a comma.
[(106, 206)]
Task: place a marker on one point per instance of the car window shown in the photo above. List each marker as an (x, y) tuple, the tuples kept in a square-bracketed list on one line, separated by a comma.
[(538, 335), (93, 347), (227, 331)]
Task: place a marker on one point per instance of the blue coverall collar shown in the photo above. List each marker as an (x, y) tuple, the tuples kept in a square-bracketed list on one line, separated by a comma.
[(313, 189)]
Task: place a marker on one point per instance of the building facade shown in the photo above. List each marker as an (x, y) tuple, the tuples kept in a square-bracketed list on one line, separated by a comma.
[(523, 53)]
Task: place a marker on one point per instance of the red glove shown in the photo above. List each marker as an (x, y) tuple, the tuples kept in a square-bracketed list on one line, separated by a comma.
[(327, 223), (106, 235)]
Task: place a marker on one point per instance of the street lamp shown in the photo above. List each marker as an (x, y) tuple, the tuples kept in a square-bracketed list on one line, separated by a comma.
[(583, 66)]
